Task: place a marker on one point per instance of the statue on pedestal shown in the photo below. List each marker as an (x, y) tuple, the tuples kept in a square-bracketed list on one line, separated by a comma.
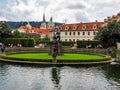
[(56, 48)]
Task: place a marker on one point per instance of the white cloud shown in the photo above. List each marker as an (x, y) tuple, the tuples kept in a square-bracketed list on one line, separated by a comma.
[(3, 19), (61, 10)]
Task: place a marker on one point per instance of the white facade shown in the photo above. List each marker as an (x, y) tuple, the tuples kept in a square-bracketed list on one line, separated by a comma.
[(79, 31), (77, 35)]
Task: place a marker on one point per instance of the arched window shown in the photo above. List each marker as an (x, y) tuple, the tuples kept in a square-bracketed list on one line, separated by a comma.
[(78, 33), (66, 28), (60, 28), (84, 27), (73, 33), (94, 33), (88, 33), (83, 33), (74, 27), (94, 26)]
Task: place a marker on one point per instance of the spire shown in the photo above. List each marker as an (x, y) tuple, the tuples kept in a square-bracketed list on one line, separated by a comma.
[(51, 19), (28, 24), (44, 17)]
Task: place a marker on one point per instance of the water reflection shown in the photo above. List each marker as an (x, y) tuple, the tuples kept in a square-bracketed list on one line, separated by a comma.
[(56, 77), (112, 73), (17, 77)]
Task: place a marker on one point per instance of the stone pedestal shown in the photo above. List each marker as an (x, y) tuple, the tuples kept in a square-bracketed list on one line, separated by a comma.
[(56, 50), (60, 49)]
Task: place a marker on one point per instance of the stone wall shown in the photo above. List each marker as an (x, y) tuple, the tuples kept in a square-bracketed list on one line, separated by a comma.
[(65, 50)]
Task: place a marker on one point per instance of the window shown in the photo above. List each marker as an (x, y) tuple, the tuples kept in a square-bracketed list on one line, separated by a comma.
[(78, 33), (74, 27), (70, 40), (94, 33), (66, 28), (69, 33), (74, 40), (84, 27), (88, 33), (83, 33), (60, 28), (94, 26), (65, 39), (73, 33)]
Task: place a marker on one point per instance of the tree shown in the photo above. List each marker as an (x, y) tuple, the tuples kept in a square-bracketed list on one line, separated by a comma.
[(5, 31), (110, 33), (17, 34)]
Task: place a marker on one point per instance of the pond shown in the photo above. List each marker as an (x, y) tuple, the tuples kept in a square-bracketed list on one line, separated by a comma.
[(25, 77)]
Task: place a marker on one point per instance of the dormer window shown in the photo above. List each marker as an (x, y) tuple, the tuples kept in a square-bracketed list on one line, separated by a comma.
[(60, 28), (94, 26), (84, 27), (74, 27), (66, 28)]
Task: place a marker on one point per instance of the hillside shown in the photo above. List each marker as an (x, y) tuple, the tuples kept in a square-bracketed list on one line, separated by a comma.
[(16, 25)]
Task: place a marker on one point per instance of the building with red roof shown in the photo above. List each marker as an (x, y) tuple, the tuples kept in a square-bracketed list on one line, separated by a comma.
[(69, 32), (80, 31), (111, 18), (44, 30)]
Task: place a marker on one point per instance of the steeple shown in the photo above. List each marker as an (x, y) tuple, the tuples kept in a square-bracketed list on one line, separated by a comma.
[(44, 17), (43, 24), (51, 19), (29, 25), (51, 24)]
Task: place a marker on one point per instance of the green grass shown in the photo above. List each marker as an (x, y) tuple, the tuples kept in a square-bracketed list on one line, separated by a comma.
[(46, 56)]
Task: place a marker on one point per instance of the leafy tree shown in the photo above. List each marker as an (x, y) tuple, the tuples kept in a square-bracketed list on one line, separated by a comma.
[(110, 33), (17, 34), (4, 30)]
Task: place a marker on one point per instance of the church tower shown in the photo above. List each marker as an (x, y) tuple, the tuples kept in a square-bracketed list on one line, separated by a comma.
[(51, 24), (43, 24), (29, 25)]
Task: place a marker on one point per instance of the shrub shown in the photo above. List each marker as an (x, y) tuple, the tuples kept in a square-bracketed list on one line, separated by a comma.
[(82, 44), (25, 42)]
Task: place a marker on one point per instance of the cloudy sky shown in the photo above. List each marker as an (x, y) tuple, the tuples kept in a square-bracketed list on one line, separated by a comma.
[(69, 11)]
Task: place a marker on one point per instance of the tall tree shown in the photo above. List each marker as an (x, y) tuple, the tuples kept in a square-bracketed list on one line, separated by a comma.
[(109, 34), (5, 31), (17, 34)]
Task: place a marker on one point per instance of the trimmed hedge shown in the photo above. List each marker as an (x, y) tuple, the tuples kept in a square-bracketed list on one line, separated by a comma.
[(44, 40), (82, 44), (67, 43), (25, 42)]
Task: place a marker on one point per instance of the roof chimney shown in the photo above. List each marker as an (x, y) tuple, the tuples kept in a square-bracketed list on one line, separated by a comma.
[(96, 20), (109, 17), (113, 16), (105, 20), (118, 14)]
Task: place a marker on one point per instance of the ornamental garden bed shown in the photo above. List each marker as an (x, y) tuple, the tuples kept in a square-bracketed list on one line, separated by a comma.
[(45, 57)]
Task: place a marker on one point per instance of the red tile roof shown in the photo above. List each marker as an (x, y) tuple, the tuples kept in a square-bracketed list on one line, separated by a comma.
[(35, 30), (80, 26), (114, 17)]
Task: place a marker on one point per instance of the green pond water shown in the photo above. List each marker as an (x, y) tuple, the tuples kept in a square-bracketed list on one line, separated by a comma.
[(26, 77)]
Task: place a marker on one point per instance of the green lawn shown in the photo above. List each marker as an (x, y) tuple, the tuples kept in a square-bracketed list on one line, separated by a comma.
[(66, 56)]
